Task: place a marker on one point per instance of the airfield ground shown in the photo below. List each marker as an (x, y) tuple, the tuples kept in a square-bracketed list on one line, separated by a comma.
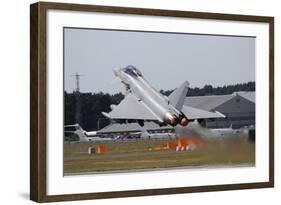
[(141, 154)]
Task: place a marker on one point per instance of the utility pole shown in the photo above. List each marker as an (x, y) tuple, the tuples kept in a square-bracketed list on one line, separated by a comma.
[(78, 114), (77, 79)]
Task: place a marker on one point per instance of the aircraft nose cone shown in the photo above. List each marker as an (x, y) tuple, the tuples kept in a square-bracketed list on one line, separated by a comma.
[(116, 71)]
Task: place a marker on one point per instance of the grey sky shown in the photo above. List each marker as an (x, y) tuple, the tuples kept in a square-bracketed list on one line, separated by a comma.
[(165, 59)]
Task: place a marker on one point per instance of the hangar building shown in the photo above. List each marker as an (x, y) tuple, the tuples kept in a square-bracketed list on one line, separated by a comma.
[(239, 109)]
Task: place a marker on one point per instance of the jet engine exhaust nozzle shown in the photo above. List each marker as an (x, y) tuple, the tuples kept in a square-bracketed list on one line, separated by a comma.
[(174, 121), (184, 121), (171, 119)]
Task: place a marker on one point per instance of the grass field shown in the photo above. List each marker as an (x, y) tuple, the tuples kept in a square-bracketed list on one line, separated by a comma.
[(141, 154)]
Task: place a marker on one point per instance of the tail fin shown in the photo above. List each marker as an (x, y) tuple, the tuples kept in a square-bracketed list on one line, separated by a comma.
[(78, 130), (82, 135), (177, 97), (144, 134)]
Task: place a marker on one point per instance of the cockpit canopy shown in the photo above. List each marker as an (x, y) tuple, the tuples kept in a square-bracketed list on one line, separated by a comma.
[(133, 71)]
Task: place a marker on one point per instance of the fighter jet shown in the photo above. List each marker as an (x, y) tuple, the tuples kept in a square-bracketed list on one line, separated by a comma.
[(144, 103)]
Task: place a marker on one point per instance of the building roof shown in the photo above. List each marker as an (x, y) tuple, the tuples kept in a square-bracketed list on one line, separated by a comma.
[(251, 96), (131, 127), (209, 103)]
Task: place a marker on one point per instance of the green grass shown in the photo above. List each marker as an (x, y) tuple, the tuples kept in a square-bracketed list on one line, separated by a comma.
[(141, 155)]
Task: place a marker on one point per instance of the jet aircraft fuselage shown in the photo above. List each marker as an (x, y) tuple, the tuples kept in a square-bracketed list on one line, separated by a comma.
[(154, 101)]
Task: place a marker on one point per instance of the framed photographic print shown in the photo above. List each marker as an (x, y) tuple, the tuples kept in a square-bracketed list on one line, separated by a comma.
[(134, 102)]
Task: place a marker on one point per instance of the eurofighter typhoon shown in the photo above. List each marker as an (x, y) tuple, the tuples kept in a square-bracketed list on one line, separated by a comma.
[(144, 103)]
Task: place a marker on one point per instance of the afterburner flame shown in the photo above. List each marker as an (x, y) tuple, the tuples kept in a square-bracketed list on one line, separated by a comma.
[(184, 121)]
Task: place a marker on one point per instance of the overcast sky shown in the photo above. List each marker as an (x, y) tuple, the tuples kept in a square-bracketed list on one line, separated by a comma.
[(165, 59)]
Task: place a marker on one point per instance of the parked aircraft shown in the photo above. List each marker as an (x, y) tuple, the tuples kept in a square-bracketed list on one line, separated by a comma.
[(225, 131), (83, 135), (144, 134), (144, 103)]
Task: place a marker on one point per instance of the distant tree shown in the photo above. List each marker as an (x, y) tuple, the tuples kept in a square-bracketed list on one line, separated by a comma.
[(117, 98), (224, 90), (208, 89)]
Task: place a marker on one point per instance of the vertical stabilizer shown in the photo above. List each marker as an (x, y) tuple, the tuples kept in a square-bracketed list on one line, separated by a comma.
[(177, 97)]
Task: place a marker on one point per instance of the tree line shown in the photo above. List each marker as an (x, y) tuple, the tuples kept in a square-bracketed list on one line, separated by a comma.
[(86, 108), (220, 90)]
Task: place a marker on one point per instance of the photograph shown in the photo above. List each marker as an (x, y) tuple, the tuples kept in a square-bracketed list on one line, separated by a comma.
[(137, 101)]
